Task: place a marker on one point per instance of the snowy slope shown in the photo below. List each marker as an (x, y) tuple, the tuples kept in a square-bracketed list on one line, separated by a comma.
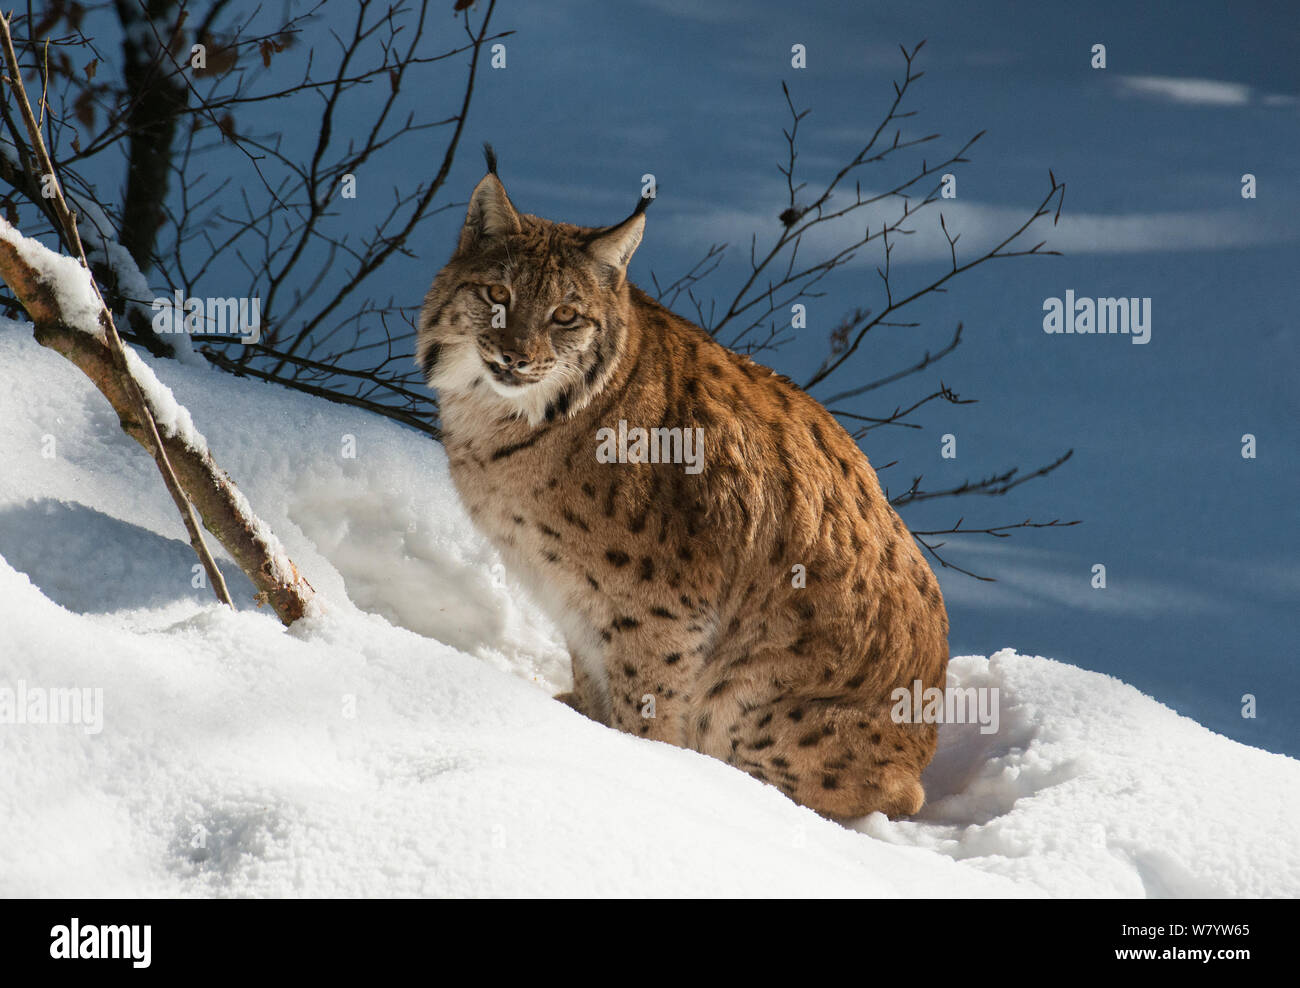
[(405, 742)]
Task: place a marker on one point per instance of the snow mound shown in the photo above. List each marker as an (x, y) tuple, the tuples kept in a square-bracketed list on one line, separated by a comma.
[(404, 741), (1090, 788)]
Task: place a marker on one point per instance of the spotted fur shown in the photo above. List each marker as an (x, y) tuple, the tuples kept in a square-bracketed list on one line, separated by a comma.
[(676, 592)]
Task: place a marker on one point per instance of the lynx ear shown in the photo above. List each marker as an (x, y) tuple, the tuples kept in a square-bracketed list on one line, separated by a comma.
[(616, 245), (490, 213)]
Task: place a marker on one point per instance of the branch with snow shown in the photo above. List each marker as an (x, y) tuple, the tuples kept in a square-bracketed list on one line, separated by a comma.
[(71, 318), (56, 292)]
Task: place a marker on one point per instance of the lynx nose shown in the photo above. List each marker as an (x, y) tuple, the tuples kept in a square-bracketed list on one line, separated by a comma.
[(512, 360)]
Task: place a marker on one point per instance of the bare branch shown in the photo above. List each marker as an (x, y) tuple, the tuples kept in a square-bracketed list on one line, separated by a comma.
[(40, 302), (190, 474), (993, 486)]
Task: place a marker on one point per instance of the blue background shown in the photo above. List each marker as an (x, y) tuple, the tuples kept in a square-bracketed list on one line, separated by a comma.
[(1199, 544)]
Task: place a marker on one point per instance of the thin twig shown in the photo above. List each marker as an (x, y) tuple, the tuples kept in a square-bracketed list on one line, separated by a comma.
[(69, 222)]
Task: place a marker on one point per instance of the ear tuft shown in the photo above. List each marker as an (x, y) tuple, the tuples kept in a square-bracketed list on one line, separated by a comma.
[(491, 157)]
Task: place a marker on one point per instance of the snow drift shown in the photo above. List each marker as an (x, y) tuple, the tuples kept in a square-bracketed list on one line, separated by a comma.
[(404, 741)]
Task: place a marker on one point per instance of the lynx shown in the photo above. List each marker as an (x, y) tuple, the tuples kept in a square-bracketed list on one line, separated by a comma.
[(760, 609)]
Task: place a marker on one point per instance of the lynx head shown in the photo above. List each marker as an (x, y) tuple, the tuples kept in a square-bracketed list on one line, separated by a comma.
[(529, 316)]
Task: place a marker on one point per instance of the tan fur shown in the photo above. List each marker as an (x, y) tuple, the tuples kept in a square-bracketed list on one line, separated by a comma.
[(674, 586)]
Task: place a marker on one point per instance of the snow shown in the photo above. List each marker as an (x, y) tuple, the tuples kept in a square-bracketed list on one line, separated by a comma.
[(1090, 788), (172, 418), (81, 307), (404, 742), (65, 276), (96, 231)]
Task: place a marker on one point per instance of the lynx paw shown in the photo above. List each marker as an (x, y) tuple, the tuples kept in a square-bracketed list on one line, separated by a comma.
[(570, 699)]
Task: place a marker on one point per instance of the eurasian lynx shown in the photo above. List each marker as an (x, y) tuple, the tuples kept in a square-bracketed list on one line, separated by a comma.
[(759, 602)]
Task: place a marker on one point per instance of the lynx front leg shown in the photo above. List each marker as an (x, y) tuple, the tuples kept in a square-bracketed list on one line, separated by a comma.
[(587, 696), (650, 678)]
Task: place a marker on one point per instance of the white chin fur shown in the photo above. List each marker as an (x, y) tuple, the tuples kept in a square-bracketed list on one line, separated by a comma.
[(460, 366), (511, 391)]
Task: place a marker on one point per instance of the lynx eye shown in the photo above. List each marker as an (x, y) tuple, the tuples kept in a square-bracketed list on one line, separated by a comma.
[(564, 314), (499, 294)]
